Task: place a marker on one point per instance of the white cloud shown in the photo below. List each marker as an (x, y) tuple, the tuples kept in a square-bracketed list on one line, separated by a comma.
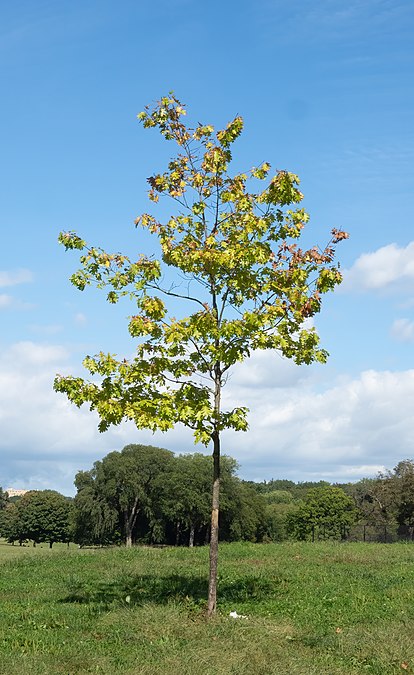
[(80, 319), (353, 472), (13, 278), (27, 353), (20, 276), (266, 370), (403, 330), (298, 430), (5, 300), (10, 302), (47, 329), (383, 268), (41, 432), (332, 20), (302, 433)]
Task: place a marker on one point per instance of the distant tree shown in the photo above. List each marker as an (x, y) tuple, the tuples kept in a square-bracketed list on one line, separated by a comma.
[(301, 489), (184, 495), (278, 497), (120, 488), (43, 516), (244, 512), (277, 515), (4, 499), (276, 485), (400, 486), (375, 500), (10, 526), (239, 269), (93, 520), (326, 513)]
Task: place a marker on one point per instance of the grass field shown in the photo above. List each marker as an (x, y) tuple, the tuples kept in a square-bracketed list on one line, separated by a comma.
[(311, 609), (7, 551)]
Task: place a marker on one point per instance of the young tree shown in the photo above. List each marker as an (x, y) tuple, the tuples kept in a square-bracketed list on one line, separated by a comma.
[(238, 267)]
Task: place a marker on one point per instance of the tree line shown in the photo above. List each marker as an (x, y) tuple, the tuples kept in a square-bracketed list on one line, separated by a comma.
[(145, 494)]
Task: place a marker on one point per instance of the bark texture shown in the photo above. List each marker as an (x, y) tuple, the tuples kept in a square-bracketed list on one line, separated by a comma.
[(214, 533)]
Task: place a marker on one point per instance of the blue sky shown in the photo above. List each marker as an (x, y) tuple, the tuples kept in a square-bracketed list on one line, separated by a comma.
[(326, 92)]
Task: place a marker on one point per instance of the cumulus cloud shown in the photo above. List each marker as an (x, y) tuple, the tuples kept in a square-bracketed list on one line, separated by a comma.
[(266, 370), (80, 318), (5, 300), (383, 268), (42, 433), (26, 353), (47, 329), (298, 429), (301, 432), (12, 278), (351, 473), (15, 277), (403, 330)]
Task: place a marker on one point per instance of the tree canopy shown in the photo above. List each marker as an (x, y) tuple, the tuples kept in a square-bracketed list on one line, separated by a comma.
[(118, 489), (39, 515), (327, 513)]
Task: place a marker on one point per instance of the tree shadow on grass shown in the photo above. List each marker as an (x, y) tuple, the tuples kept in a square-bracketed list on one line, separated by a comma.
[(190, 590)]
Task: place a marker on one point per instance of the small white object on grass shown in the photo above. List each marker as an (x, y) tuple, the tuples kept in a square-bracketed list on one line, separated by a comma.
[(234, 615)]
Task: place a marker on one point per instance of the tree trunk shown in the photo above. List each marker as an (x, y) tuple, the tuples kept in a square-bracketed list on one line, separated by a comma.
[(50, 544), (191, 539), (214, 535), (129, 522), (215, 499), (128, 530), (177, 533)]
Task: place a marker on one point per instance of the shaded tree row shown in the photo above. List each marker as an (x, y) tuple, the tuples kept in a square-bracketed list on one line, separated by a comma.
[(386, 502), (146, 494), (39, 516), (380, 508)]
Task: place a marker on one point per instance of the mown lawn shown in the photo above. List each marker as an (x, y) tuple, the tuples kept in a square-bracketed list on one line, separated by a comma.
[(8, 551), (311, 609)]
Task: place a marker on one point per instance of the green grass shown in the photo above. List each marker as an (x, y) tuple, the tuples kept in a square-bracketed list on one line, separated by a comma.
[(8, 551), (312, 609)]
